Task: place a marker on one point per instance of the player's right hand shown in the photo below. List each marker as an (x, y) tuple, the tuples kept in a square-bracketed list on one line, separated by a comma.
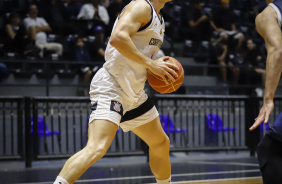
[(164, 69), (264, 114)]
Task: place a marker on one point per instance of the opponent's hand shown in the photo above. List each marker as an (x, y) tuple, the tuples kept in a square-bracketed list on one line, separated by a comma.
[(264, 113), (164, 69)]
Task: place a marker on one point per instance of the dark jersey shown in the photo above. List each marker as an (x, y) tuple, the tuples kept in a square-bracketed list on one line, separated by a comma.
[(276, 130)]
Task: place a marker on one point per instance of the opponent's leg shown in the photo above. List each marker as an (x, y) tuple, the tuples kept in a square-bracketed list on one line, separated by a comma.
[(152, 133), (100, 136)]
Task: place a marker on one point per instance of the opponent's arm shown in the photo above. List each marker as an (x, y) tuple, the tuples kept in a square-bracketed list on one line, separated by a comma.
[(269, 29), (137, 14)]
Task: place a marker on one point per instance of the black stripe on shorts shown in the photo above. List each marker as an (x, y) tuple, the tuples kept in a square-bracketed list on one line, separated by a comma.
[(142, 109)]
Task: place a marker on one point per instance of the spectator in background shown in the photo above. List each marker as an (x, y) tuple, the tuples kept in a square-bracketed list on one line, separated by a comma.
[(57, 17), (236, 60), (114, 10), (81, 50), (98, 46), (17, 40), (37, 27), (259, 6), (3, 71), (196, 25), (105, 3), (82, 55), (96, 13), (72, 8), (223, 22), (220, 55), (253, 58)]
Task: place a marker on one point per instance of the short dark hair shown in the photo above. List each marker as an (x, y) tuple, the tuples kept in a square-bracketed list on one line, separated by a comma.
[(13, 16)]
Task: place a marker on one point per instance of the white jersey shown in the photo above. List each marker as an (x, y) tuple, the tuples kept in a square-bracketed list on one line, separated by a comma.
[(131, 75)]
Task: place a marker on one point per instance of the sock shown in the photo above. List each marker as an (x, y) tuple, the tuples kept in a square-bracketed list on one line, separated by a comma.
[(60, 180), (166, 181)]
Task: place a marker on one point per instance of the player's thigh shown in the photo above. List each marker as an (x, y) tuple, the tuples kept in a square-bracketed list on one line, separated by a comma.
[(152, 133), (101, 133)]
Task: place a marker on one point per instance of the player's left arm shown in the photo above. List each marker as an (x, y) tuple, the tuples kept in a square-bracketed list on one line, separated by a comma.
[(268, 28), (136, 15)]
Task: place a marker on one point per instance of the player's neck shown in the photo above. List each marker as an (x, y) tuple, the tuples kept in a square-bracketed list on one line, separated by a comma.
[(158, 5)]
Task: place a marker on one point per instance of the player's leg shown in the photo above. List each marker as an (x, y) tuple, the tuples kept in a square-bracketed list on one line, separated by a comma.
[(152, 133), (100, 136), (269, 153)]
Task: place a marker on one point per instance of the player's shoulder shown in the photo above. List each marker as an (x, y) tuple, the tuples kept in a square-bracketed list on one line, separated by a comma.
[(140, 5), (139, 10)]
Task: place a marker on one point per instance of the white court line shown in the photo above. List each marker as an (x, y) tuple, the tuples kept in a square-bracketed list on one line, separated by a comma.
[(143, 177), (226, 179), (224, 163)]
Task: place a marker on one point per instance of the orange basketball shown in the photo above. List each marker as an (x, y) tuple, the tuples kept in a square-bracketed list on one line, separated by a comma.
[(159, 85)]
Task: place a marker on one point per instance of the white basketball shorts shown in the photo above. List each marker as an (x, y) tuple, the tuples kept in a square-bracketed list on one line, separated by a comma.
[(109, 102)]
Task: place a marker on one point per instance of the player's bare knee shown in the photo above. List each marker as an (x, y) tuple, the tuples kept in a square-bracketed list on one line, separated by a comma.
[(95, 153), (161, 147)]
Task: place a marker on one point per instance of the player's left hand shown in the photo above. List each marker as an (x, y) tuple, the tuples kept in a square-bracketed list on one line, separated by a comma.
[(264, 113)]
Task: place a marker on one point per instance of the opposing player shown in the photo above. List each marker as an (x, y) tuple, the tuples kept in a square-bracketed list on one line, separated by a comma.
[(268, 24), (117, 92)]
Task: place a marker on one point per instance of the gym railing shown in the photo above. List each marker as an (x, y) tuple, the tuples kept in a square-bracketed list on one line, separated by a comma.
[(54, 127)]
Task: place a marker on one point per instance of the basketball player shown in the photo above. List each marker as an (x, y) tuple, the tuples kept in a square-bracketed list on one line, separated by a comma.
[(268, 24), (269, 151), (117, 92)]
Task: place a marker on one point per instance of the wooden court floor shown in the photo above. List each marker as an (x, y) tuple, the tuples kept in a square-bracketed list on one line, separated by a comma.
[(257, 180), (195, 168)]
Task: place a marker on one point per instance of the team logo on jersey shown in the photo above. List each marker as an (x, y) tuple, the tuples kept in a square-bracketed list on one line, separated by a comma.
[(117, 107), (156, 42)]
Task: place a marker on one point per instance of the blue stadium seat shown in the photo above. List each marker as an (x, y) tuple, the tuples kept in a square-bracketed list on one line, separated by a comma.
[(169, 126), (44, 131), (214, 126), (214, 123), (41, 127)]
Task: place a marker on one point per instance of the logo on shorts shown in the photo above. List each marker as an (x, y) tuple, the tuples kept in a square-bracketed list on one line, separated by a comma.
[(117, 107), (94, 106)]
